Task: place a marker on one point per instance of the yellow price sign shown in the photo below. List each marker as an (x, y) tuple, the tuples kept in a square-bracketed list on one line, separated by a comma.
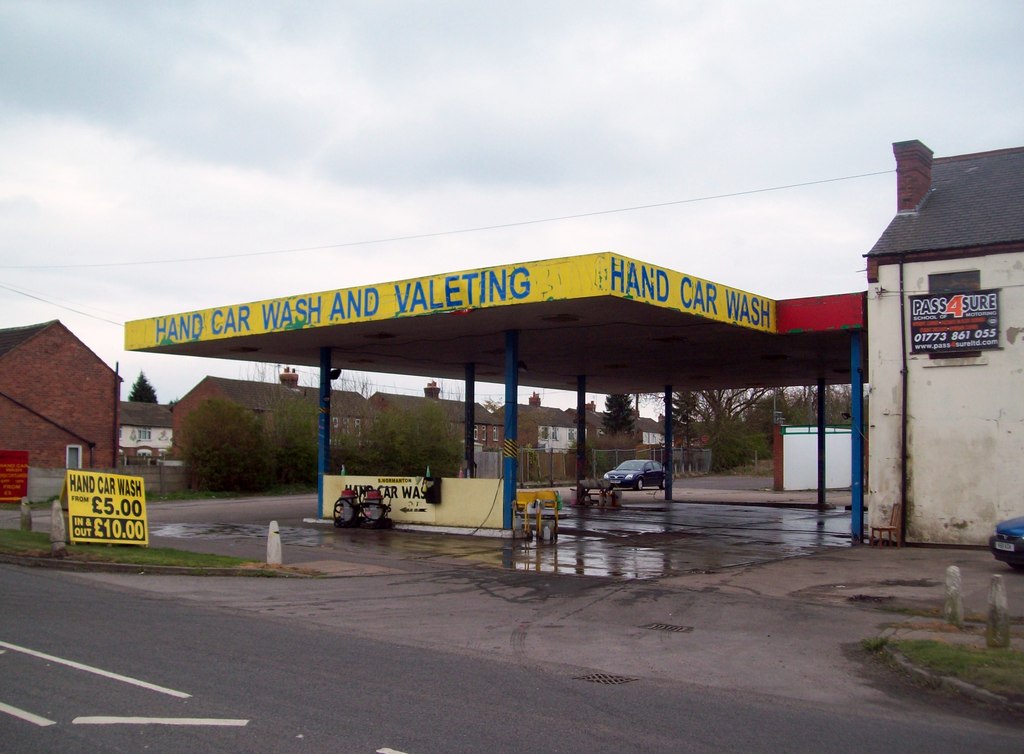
[(106, 508)]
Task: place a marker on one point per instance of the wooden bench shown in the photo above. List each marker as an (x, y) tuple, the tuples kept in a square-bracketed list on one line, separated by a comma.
[(606, 492)]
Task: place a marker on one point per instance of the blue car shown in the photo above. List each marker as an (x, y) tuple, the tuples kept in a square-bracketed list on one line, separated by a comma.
[(1007, 544), (637, 475)]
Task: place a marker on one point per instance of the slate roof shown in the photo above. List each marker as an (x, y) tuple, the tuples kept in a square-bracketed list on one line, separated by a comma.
[(13, 337), (975, 200), (454, 410), (138, 414), (262, 396)]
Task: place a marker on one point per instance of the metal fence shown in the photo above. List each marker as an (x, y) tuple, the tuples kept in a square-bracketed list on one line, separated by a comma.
[(538, 466)]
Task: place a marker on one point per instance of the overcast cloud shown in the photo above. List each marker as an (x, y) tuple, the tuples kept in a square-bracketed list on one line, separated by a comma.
[(137, 137)]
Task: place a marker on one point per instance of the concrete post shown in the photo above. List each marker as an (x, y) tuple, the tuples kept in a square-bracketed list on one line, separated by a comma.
[(26, 515), (954, 609), (274, 544), (58, 531), (997, 632)]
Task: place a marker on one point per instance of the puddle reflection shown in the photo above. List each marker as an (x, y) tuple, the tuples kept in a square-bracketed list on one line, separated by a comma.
[(627, 543)]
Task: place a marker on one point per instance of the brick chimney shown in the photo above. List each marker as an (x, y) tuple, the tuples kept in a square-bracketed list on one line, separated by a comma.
[(913, 174), (592, 407), (432, 390), (535, 400), (290, 378)]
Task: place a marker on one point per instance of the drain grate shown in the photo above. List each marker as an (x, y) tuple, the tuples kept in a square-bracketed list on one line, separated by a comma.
[(605, 678), (668, 627)]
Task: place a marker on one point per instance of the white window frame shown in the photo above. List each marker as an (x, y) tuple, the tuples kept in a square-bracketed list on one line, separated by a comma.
[(68, 451)]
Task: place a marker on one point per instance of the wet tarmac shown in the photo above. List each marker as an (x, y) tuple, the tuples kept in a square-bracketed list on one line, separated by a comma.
[(648, 540)]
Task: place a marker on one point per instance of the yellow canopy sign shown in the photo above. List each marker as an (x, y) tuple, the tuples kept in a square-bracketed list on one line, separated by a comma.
[(587, 276)]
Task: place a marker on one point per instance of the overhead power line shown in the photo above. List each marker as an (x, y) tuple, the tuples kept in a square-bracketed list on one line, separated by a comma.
[(51, 302), (436, 234)]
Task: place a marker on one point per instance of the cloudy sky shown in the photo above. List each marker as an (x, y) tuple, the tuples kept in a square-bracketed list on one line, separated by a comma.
[(158, 157)]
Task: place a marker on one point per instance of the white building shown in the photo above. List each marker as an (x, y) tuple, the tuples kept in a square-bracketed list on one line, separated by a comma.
[(946, 347), (145, 431)]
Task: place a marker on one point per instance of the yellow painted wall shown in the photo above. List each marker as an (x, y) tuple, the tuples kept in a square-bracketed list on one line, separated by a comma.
[(465, 503)]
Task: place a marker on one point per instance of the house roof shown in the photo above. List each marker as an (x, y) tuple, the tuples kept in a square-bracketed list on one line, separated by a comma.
[(261, 396), (975, 200), (140, 414), (542, 416), (454, 410), (12, 337), (647, 424)]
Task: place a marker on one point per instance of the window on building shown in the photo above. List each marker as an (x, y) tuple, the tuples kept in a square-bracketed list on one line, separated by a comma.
[(554, 433), (73, 456), (954, 282), (494, 433), (476, 432), (334, 422), (145, 433), (359, 426)]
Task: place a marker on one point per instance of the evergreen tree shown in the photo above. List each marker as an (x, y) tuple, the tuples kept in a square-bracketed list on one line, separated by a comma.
[(142, 391), (618, 418)]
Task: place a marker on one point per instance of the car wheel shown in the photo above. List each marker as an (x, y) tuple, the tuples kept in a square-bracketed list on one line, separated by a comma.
[(639, 484), (1016, 566), (661, 483)]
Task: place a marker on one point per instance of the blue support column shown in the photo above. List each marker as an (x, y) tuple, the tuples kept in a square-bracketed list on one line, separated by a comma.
[(581, 433), (323, 454), (821, 444), (510, 450), (470, 422), (856, 438), (668, 456)]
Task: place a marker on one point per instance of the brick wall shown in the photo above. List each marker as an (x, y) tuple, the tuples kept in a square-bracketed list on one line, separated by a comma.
[(68, 396), (192, 400)]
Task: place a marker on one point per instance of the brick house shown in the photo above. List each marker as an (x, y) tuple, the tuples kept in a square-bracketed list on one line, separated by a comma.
[(488, 429), (350, 411), (544, 427), (58, 400)]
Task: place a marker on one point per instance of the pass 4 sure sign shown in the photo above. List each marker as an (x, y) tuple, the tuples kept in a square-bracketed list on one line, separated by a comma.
[(106, 508), (954, 322)]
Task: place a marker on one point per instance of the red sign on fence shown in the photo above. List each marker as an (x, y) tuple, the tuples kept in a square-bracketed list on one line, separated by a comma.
[(13, 475)]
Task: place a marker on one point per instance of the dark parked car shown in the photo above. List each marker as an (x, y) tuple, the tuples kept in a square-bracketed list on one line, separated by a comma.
[(1007, 544), (637, 474)]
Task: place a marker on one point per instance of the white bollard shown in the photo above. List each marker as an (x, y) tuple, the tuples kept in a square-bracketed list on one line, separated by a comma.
[(954, 608), (997, 632), (274, 544), (26, 515), (58, 531)]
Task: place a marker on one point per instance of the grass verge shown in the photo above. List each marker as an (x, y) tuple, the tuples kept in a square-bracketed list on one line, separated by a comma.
[(37, 544), (1000, 671)]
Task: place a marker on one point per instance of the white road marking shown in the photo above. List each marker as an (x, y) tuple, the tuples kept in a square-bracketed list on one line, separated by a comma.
[(389, 751), (105, 720), (42, 722), (97, 671)]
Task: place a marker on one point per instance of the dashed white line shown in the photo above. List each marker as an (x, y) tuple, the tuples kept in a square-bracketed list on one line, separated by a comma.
[(42, 722), (106, 720), (97, 671)]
